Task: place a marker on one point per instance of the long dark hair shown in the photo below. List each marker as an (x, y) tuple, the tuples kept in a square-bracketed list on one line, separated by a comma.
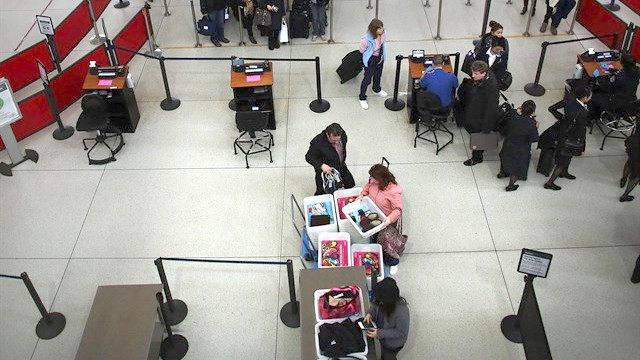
[(389, 308), (382, 175)]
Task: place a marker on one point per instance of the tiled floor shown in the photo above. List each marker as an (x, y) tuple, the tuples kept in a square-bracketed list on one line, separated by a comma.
[(178, 190)]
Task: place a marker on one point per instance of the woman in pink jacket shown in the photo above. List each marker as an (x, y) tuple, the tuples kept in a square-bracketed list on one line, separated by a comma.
[(387, 195)]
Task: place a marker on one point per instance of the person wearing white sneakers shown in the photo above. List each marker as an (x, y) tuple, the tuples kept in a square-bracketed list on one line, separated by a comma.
[(318, 17), (372, 47)]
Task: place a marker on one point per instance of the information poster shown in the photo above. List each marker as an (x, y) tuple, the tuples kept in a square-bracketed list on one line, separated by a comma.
[(45, 24), (9, 111), (43, 72), (534, 263)]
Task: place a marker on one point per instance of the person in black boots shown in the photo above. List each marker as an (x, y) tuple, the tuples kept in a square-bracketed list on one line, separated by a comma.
[(572, 137), (526, 7), (520, 131), (215, 10), (248, 14), (635, 278), (631, 172), (276, 8), (480, 104), (327, 151)]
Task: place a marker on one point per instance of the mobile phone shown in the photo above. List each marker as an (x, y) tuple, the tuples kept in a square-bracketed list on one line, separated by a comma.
[(369, 326)]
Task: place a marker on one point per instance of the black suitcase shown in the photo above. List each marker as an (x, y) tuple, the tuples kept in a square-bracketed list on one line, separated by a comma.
[(298, 25), (351, 66), (546, 162)]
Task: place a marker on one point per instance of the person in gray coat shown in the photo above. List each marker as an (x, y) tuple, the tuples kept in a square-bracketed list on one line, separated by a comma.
[(391, 314)]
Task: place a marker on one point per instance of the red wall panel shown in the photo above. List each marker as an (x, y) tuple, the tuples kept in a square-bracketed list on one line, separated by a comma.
[(35, 116), (21, 68), (72, 30), (99, 6), (600, 21)]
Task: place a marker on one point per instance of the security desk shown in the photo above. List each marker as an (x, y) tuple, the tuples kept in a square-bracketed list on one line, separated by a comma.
[(413, 84), (315, 279), (249, 95), (591, 66), (120, 99), (123, 324)]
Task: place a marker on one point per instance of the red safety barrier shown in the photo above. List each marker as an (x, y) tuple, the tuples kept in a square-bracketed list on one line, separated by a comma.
[(132, 37), (99, 6), (600, 21), (72, 30), (21, 68), (633, 5), (67, 87), (36, 115), (634, 47)]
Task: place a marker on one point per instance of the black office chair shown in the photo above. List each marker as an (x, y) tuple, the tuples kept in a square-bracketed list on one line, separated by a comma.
[(95, 117), (432, 116), (253, 125), (618, 123)]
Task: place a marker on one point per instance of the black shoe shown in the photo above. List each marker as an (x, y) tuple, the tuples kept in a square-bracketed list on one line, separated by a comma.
[(472, 162), (512, 187), (533, 13), (252, 40), (216, 42), (277, 44), (552, 186), (623, 182), (271, 47), (635, 280), (626, 198), (524, 11), (224, 40), (567, 176), (502, 175)]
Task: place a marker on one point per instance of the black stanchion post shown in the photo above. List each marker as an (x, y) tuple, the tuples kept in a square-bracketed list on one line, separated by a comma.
[(62, 132), (615, 40), (456, 65), (319, 105), (121, 4), (170, 103), (510, 325), (176, 310), (612, 6), (51, 324), (111, 52), (485, 17), (54, 51), (290, 312), (394, 104), (534, 88), (174, 347)]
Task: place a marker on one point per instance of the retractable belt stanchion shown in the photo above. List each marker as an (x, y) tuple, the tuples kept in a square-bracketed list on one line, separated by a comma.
[(485, 17), (121, 4), (533, 6), (509, 2), (113, 57), (439, 18), (575, 16), (534, 88), (377, 8), (510, 325), (369, 7), (195, 25), (289, 313), (52, 323), (319, 105), (166, 8), (175, 310), (153, 50), (395, 104), (612, 6), (174, 347), (426, 4), (468, 3), (97, 38), (169, 103), (331, 22), (62, 132), (240, 25)]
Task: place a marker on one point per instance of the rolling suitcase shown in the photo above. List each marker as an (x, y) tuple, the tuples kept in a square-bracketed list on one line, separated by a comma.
[(298, 24), (351, 66)]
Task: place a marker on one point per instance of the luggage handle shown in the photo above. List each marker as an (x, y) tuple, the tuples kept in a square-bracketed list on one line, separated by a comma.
[(384, 160)]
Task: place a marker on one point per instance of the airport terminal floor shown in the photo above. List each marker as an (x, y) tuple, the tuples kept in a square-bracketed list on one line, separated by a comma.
[(178, 190)]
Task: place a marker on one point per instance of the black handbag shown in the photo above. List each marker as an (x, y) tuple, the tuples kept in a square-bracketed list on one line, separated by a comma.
[(262, 17), (505, 80), (572, 147), (205, 26)]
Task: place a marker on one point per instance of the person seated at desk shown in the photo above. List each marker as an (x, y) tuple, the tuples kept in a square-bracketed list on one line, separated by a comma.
[(440, 82), (497, 59), (617, 90)]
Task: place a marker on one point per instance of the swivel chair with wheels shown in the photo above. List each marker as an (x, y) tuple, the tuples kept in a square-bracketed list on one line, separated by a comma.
[(252, 124), (96, 117), (618, 123), (433, 117)]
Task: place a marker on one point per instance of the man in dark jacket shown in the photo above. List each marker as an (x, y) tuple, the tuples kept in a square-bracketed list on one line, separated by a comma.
[(327, 151), (215, 10), (479, 99)]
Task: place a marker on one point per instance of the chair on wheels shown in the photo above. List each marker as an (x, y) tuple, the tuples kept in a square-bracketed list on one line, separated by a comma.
[(618, 123), (95, 116), (433, 117), (252, 124)]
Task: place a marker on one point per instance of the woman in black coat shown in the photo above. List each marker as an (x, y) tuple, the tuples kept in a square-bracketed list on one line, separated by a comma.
[(573, 130), (497, 59), (277, 10), (520, 132), (631, 172)]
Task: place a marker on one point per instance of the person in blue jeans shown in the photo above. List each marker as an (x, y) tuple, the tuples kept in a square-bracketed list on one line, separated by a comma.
[(440, 82), (372, 47), (318, 14), (215, 10)]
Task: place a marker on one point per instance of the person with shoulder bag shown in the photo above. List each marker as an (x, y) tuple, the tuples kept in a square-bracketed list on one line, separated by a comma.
[(385, 192), (572, 139), (248, 16), (215, 10)]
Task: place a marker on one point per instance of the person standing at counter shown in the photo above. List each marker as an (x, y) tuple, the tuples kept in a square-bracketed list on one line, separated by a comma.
[(391, 314)]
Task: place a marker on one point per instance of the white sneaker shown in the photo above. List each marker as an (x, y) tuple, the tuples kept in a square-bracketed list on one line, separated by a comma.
[(364, 104), (393, 270), (382, 93), (323, 38), (314, 38)]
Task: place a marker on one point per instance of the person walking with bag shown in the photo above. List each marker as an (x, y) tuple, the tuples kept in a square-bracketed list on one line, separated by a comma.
[(373, 50), (520, 131), (390, 313), (571, 141), (328, 151), (385, 192), (215, 10), (277, 10)]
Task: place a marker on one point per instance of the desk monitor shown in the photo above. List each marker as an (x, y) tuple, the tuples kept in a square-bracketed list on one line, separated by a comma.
[(534, 263), (606, 55)]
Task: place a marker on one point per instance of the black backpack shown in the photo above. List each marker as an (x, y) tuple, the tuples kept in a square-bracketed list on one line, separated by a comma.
[(340, 339)]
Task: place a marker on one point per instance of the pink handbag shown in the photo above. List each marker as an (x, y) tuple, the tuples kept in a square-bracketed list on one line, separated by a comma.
[(340, 302)]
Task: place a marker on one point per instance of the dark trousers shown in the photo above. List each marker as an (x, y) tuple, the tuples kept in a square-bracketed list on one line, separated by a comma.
[(636, 271), (247, 21), (389, 354), (274, 39), (371, 72), (555, 21), (345, 175), (477, 155), (217, 18)]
